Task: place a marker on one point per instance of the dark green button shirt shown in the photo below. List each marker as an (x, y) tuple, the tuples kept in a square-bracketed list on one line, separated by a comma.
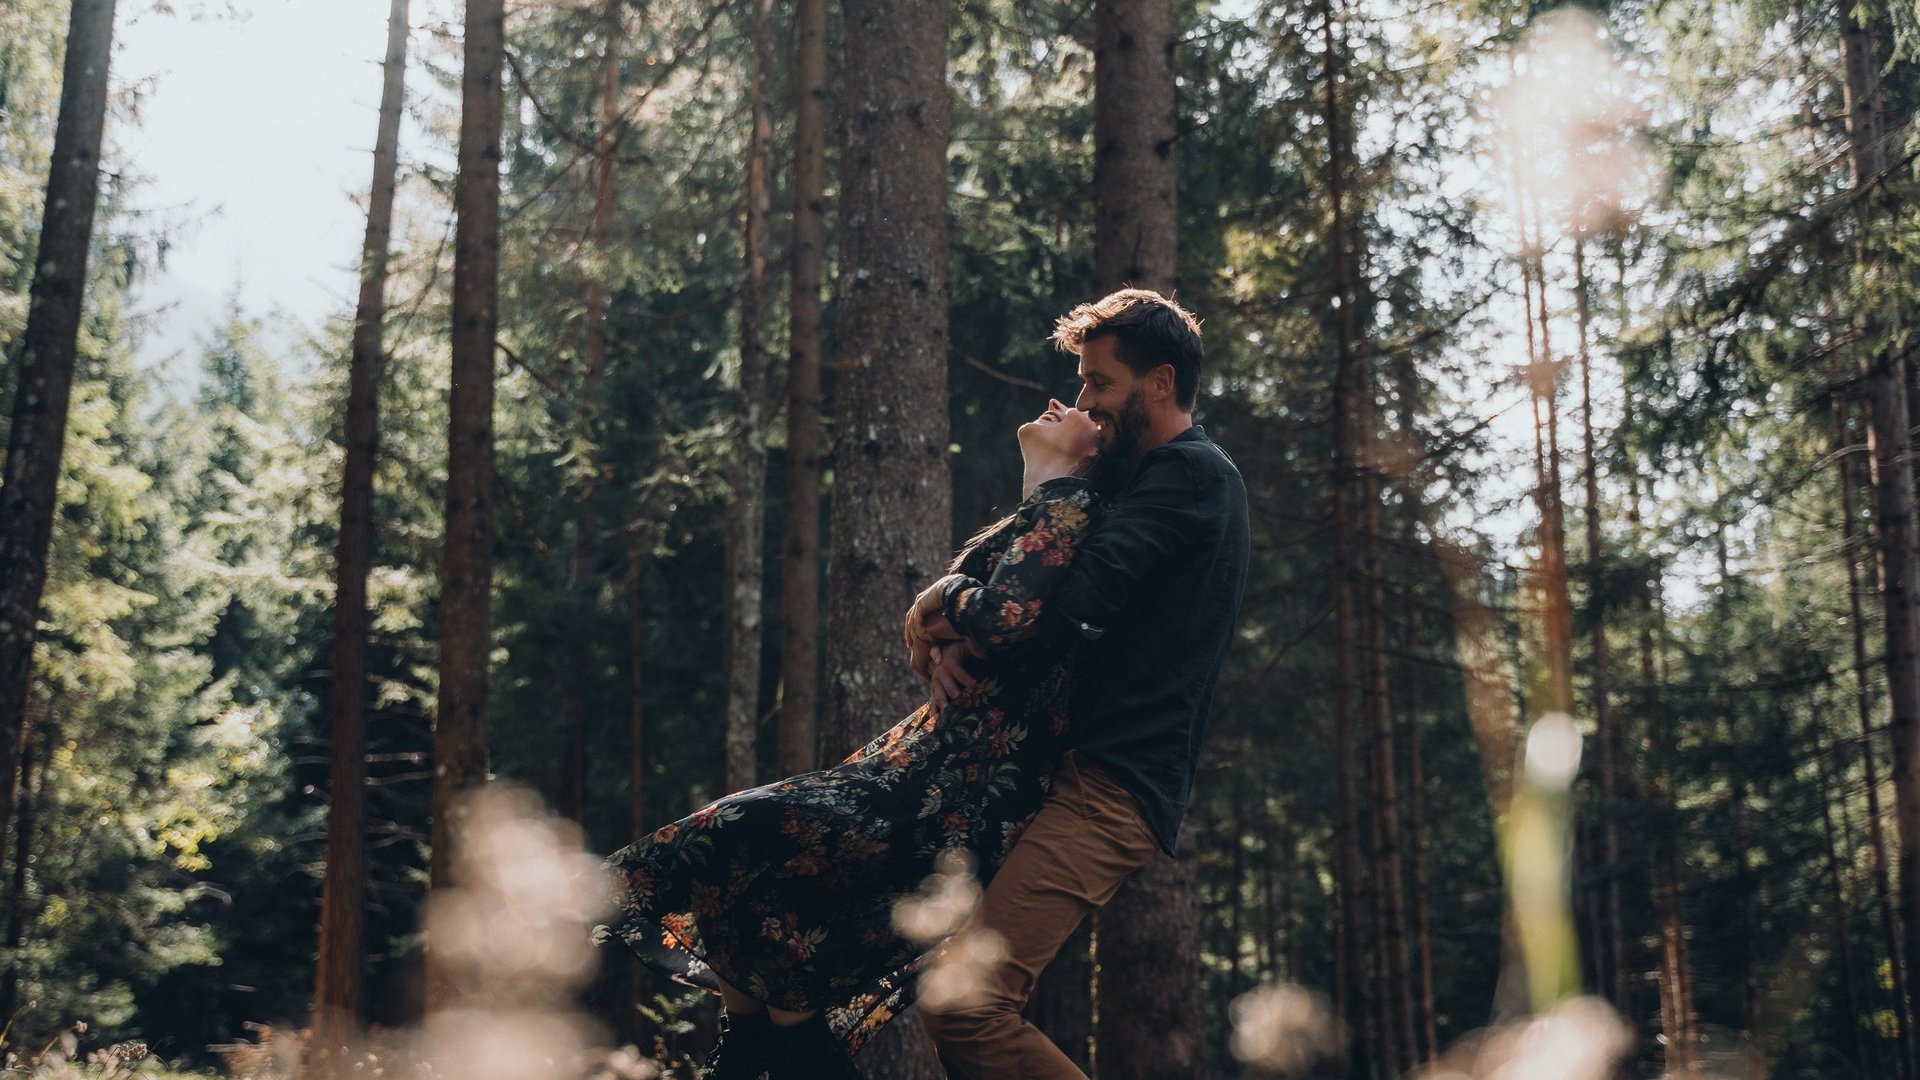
[(1153, 593)]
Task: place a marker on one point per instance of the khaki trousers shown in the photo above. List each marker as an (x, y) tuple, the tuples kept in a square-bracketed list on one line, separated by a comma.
[(1087, 838)]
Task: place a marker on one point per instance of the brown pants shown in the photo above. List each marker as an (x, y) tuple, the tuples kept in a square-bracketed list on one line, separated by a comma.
[(1087, 838)]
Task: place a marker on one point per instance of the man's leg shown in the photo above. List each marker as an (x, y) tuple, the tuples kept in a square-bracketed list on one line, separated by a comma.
[(1084, 842)]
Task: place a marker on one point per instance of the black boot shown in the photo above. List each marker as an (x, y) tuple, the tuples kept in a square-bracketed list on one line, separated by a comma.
[(745, 1049), (810, 1051)]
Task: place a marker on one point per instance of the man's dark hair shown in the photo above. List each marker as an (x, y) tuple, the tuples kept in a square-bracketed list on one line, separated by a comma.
[(1147, 330)]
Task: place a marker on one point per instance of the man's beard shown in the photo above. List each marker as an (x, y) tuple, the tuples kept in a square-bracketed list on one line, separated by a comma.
[(1129, 425)]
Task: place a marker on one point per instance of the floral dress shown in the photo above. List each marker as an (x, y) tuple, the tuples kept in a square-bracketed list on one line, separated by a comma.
[(786, 891)]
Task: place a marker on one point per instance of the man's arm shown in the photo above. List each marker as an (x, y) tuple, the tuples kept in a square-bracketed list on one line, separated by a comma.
[(1006, 610), (1172, 507)]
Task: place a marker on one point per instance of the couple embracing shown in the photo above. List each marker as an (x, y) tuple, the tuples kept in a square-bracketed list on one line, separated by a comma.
[(1071, 657)]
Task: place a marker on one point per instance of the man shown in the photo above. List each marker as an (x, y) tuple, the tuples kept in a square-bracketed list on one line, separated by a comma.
[(1153, 595)]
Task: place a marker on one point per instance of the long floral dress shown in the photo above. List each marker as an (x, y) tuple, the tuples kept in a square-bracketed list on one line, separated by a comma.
[(786, 891)]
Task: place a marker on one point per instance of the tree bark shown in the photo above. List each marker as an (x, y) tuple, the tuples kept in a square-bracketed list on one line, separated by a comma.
[(583, 576), (48, 345), (1353, 985), (1062, 1002), (1147, 950), (466, 571), (1605, 738), (891, 494), (33, 781), (1863, 709), (1836, 880), (339, 992), (1891, 442), (746, 511), (800, 582), (1147, 975), (1135, 238)]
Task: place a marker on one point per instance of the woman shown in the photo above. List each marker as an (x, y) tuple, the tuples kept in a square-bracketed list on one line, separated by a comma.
[(780, 897)]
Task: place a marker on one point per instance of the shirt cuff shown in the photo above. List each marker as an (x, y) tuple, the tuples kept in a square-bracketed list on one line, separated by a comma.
[(950, 598)]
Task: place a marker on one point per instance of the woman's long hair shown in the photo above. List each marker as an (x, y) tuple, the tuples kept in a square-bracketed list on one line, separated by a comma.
[(1107, 473)]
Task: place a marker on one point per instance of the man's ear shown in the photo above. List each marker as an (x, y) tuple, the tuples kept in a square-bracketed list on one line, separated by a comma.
[(1161, 381)]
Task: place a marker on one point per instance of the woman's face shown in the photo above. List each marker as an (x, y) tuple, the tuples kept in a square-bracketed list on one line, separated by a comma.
[(1061, 430)]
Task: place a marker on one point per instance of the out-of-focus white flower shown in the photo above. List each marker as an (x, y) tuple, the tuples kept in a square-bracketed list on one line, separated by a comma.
[(1578, 1039), (958, 976), (945, 901), (1284, 1028)]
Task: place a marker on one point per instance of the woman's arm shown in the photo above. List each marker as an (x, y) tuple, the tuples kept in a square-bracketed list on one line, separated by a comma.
[(1006, 609)]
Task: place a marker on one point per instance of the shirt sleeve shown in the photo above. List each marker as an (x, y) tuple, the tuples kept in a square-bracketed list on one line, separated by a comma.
[(1167, 510), (1006, 609)]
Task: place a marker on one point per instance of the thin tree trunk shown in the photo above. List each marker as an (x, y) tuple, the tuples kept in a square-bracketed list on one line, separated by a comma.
[(339, 994), (33, 783), (1836, 880), (1606, 739), (1676, 991), (1551, 574), (1417, 854), (746, 511), (583, 578), (1147, 948), (466, 572), (892, 493), (1390, 893), (637, 820), (1352, 987), (800, 582), (48, 344), (1890, 434), (1863, 707), (638, 824)]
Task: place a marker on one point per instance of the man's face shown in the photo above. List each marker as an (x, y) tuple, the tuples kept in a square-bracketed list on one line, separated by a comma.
[(1114, 397)]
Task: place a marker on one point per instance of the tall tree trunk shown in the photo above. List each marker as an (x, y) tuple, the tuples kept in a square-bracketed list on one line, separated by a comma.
[(466, 570), (1353, 986), (1550, 576), (1836, 880), (800, 581), (1135, 236), (1147, 949), (638, 824), (1676, 990), (49, 342), (1390, 899), (1863, 709), (891, 493), (339, 994), (1062, 1001), (1417, 856), (33, 782), (1605, 738), (1890, 436), (583, 575), (746, 511)]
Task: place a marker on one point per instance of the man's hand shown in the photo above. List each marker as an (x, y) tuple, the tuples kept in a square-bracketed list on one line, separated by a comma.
[(927, 625), (920, 656), (949, 677)]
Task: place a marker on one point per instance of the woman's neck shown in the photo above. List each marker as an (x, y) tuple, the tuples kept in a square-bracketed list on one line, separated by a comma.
[(1040, 468)]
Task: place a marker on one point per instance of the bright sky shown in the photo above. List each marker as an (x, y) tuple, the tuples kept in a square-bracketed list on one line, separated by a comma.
[(259, 131)]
